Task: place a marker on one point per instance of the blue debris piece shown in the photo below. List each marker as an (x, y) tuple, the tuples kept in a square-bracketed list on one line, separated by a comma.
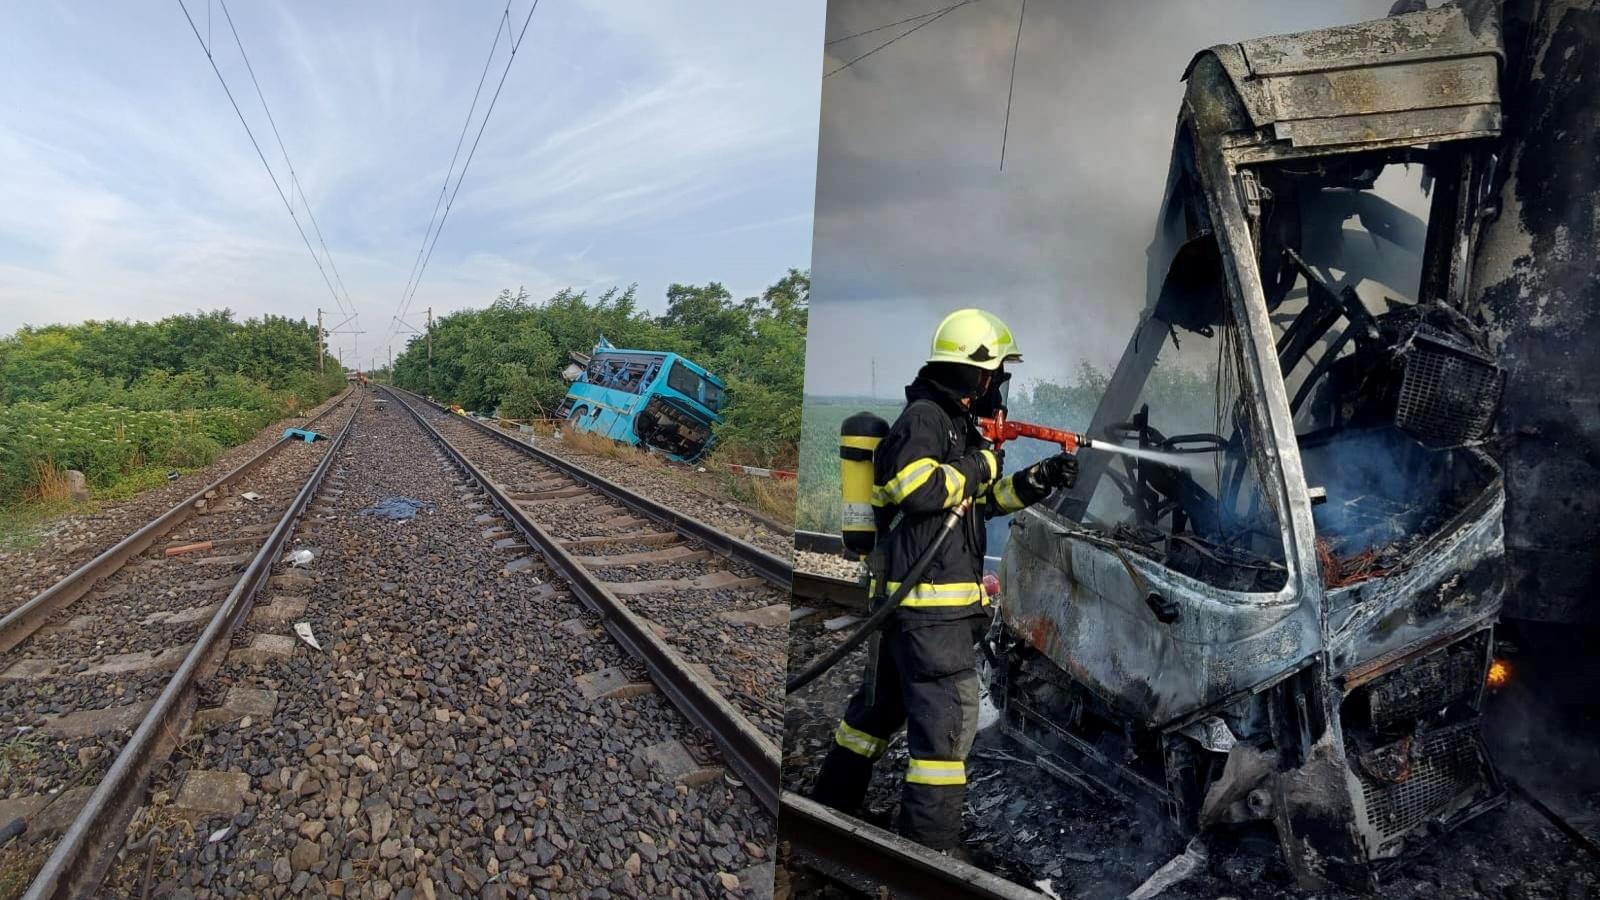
[(397, 508), (303, 433)]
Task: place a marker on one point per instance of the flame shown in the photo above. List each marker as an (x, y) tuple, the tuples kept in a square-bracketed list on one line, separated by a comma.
[(1499, 673)]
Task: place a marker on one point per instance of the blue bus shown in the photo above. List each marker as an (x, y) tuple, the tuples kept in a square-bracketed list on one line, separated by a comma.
[(649, 397)]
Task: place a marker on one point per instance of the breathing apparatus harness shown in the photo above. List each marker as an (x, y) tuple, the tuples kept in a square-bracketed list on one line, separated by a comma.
[(863, 522)]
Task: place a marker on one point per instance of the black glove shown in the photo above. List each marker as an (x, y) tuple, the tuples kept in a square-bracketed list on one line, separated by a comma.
[(1059, 471)]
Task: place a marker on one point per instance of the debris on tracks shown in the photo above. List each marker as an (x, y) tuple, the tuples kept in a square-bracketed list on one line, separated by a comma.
[(188, 548), (1191, 860), (400, 508), (303, 629)]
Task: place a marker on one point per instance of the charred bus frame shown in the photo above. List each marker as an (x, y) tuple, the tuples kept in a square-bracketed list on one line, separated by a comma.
[(1254, 645)]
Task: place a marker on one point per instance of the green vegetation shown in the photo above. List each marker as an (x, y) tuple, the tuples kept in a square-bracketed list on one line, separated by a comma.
[(509, 356), (1044, 402), (124, 402)]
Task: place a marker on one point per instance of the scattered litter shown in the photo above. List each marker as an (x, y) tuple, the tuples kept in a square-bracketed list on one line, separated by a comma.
[(304, 434), (401, 508), (304, 630), (1190, 861), (1045, 887), (173, 475), (252, 496), (840, 622), (220, 834), (300, 558)]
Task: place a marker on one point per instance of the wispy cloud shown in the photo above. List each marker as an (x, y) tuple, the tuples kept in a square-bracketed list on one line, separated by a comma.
[(627, 134)]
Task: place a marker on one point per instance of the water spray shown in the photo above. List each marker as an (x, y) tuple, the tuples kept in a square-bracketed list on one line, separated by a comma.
[(1000, 429)]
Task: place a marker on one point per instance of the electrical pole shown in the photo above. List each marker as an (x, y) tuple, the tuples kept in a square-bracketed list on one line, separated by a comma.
[(874, 378), (321, 336), (391, 364), (430, 351)]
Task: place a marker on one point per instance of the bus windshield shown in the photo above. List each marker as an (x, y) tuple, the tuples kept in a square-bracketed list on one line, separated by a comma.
[(688, 382)]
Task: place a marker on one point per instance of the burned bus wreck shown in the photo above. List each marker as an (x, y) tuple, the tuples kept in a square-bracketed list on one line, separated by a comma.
[(1281, 612)]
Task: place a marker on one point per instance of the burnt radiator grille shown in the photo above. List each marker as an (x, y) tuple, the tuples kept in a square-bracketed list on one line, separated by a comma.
[(1448, 394), (1429, 684), (1445, 769)]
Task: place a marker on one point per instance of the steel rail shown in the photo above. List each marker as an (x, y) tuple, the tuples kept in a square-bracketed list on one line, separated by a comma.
[(846, 592), (23, 621), (88, 848), (775, 569), (880, 863), (751, 755)]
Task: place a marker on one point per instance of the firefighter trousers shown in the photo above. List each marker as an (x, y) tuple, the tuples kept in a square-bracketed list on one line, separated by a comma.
[(925, 681)]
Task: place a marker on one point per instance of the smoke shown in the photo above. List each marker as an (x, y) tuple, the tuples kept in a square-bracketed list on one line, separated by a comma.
[(914, 216)]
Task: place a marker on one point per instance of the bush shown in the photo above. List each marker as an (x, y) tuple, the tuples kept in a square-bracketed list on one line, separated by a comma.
[(191, 450)]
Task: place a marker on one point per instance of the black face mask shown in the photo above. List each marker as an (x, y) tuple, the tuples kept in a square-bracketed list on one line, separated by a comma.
[(993, 401)]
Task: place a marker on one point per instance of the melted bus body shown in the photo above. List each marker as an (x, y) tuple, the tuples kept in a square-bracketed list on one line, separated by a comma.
[(646, 397)]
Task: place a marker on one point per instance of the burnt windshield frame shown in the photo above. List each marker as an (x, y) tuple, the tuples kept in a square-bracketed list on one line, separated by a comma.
[(1195, 531), (1345, 299)]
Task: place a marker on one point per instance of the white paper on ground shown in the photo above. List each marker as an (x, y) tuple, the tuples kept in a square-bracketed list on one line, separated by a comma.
[(304, 630)]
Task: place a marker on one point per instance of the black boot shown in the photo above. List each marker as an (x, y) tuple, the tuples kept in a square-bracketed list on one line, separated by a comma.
[(842, 783), (931, 815)]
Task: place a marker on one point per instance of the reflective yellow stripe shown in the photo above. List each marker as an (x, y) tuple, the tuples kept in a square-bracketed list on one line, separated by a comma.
[(994, 464), (961, 593), (914, 475), (857, 741), (1005, 495), (936, 771), (860, 443), (955, 485)]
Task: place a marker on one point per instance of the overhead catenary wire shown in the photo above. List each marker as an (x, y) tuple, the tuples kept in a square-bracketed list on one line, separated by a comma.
[(500, 26), (467, 163), (931, 12), (908, 32), (294, 177), (1011, 88), (257, 145)]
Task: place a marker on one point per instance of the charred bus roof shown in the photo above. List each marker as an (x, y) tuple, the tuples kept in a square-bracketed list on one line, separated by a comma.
[(1409, 79)]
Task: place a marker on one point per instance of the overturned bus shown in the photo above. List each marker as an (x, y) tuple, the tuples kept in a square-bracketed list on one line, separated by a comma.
[(1286, 617)]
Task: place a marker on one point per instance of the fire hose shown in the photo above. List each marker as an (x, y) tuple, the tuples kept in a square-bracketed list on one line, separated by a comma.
[(881, 615)]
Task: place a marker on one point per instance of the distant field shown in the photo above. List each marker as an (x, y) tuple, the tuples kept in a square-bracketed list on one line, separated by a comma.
[(818, 506)]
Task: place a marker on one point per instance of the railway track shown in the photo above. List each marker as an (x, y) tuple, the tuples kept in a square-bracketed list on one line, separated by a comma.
[(705, 612), (100, 671), (465, 727)]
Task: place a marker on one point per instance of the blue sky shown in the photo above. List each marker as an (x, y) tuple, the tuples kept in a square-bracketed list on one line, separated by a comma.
[(633, 142)]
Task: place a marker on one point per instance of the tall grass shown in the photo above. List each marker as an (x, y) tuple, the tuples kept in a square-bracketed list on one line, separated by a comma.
[(592, 444), (49, 482)]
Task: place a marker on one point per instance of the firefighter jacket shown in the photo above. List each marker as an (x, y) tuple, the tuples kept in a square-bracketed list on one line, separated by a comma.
[(933, 458)]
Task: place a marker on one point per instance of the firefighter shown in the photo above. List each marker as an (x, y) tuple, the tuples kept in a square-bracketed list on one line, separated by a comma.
[(921, 668)]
